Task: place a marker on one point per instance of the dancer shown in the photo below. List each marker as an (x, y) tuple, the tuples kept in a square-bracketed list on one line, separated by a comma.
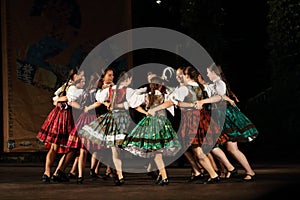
[(75, 142), (106, 81), (55, 130), (74, 97), (228, 170), (194, 130), (110, 129), (153, 136), (237, 127)]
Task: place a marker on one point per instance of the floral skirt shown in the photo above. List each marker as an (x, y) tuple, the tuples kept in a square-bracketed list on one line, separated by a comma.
[(152, 135), (107, 130)]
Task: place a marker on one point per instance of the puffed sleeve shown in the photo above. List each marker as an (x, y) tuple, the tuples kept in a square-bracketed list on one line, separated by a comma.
[(179, 94), (208, 89), (129, 93), (135, 99), (141, 90), (56, 93), (168, 96), (220, 87), (73, 93), (102, 95)]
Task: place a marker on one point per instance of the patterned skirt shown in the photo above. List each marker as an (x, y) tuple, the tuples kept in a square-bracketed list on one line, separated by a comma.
[(75, 141), (152, 135), (238, 126), (107, 130), (56, 129), (198, 129)]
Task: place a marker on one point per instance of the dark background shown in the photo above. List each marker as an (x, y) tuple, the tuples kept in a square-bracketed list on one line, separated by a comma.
[(257, 45)]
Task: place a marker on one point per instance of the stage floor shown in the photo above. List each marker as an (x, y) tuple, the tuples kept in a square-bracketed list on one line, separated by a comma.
[(23, 181)]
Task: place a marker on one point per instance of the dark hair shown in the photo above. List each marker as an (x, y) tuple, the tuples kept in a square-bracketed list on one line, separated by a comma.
[(157, 80), (123, 76), (155, 83), (106, 70), (71, 75), (194, 73), (94, 78), (100, 83)]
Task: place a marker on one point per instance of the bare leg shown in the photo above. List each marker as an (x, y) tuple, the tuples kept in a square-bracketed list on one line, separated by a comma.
[(98, 164), (117, 161), (192, 161), (50, 159), (108, 171), (160, 165), (212, 161), (233, 149), (68, 158), (149, 167), (205, 162), (220, 155), (59, 164), (223, 171), (81, 162), (73, 170), (94, 161)]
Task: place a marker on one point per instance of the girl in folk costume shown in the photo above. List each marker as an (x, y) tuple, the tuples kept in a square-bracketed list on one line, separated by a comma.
[(74, 97), (237, 127), (110, 129), (55, 130), (153, 136), (231, 170), (105, 81), (197, 128), (197, 169), (74, 141)]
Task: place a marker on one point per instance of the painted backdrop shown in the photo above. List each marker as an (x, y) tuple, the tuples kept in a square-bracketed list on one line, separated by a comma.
[(41, 41)]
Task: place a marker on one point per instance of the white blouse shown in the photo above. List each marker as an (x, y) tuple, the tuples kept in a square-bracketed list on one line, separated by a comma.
[(74, 93), (138, 98), (181, 92), (103, 95), (218, 87)]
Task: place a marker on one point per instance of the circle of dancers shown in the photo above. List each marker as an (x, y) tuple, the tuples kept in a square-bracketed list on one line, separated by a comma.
[(197, 119)]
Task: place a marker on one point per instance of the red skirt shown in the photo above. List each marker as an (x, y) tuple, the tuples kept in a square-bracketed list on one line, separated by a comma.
[(56, 129), (75, 141), (188, 129), (198, 128)]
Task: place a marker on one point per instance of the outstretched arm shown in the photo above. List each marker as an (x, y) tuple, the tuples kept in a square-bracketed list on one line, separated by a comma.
[(229, 100), (212, 99), (141, 110), (74, 104), (92, 106), (164, 105)]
